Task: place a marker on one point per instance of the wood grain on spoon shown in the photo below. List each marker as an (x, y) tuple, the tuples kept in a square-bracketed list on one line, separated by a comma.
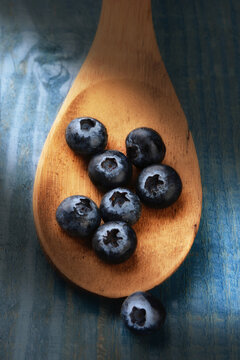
[(124, 84)]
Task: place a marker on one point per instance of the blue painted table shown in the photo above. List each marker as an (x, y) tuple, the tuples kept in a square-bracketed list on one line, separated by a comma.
[(42, 46)]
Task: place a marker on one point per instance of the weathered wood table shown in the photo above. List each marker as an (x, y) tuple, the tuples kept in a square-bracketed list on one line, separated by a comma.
[(42, 46)]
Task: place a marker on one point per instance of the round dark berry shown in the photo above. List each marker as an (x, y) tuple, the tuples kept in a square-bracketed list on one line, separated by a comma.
[(120, 204), (114, 242), (86, 136), (159, 186), (78, 216), (110, 169), (145, 147), (142, 312)]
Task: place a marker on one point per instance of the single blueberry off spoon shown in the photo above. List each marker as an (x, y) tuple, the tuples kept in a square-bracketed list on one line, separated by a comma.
[(124, 84)]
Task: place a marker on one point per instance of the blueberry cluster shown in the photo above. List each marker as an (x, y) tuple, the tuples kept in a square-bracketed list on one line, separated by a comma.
[(115, 241)]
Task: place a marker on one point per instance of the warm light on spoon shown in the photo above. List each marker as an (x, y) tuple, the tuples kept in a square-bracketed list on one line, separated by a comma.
[(123, 83)]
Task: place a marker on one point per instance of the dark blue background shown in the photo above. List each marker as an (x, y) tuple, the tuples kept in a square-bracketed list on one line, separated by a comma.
[(42, 46)]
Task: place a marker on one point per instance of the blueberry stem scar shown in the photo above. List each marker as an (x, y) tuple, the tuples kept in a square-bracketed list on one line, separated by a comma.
[(119, 198), (138, 316), (152, 183), (112, 238), (82, 207), (109, 164), (86, 124)]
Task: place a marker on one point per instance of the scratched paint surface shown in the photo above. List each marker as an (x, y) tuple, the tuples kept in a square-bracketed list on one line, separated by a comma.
[(42, 46)]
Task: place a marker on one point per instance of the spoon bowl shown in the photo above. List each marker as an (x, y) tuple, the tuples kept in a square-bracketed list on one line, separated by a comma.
[(123, 96)]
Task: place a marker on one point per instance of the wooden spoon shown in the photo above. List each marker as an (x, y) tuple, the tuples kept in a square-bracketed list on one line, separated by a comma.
[(124, 84)]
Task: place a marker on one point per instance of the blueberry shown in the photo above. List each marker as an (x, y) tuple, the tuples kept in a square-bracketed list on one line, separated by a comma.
[(114, 242), (159, 186), (110, 169), (86, 136), (142, 312), (120, 204), (78, 216), (145, 147)]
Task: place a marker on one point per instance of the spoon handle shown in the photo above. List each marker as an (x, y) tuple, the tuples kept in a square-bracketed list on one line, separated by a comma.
[(125, 46), (125, 27)]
